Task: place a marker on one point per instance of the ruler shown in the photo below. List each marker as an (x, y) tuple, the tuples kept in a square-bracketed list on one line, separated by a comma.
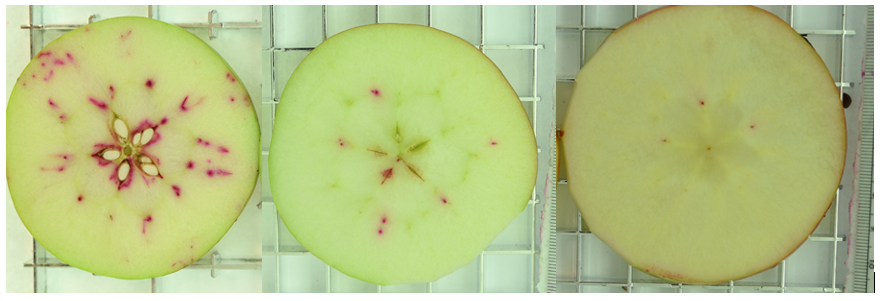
[(864, 250)]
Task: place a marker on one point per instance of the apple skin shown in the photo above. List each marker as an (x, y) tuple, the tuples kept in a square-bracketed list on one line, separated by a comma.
[(346, 187), (834, 116), (61, 112)]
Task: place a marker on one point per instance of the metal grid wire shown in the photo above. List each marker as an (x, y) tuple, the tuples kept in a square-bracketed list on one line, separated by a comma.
[(649, 283), (269, 104), (41, 258)]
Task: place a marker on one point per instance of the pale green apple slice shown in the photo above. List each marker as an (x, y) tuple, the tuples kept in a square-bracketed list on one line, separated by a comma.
[(704, 144), (132, 147), (399, 153)]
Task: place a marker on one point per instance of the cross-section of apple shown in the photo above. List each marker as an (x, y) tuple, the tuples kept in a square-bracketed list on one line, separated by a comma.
[(704, 144), (132, 147), (399, 153)]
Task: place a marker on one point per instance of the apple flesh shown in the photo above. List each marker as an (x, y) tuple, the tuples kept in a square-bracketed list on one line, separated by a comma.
[(132, 148), (399, 153), (704, 144)]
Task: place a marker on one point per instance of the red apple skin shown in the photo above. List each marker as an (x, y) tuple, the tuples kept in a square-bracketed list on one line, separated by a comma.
[(679, 278)]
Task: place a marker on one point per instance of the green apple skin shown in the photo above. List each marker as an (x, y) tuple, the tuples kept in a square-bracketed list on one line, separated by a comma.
[(188, 138), (704, 144), (399, 153)]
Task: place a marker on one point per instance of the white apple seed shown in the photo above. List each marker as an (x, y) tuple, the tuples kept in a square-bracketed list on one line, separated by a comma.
[(147, 136), (136, 139), (110, 155), (122, 172), (120, 128), (150, 169), (146, 160)]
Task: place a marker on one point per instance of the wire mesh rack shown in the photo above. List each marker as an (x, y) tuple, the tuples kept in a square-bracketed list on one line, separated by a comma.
[(238, 269), (518, 39), (585, 264)]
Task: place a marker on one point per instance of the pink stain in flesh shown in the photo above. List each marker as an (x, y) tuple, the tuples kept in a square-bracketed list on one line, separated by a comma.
[(51, 74), (42, 54), (144, 225), (753, 126), (70, 57), (58, 62), (190, 165), (384, 220), (230, 77), (100, 104), (149, 83), (33, 75), (380, 231), (341, 143), (79, 199), (231, 99), (375, 92), (43, 65), (444, 200), (702, 103), (164, 120), (387, 174), (223, 149), (62, 117), (664, 140), (183, 104), (52, 103), (176, 190), (494, 143), (112, 92), (203, 142), (218, 172), (125, 35)]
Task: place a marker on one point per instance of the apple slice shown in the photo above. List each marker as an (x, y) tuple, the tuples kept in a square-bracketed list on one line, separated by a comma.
[(399, 153), (132, 147), (704, 144)]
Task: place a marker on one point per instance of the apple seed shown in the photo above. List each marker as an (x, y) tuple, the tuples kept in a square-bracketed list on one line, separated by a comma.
[(110, 155), (122, 172), (136, 139), (147, 136), (149, 169), (120, 128), (146, 160)]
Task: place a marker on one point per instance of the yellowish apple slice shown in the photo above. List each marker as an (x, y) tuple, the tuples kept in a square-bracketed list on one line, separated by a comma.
[(704, 144), (132, 148), (399, 153)]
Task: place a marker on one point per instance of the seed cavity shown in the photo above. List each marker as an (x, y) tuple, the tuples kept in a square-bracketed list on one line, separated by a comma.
[(120, 128), (111, 155), (122, 172), (150, 169)]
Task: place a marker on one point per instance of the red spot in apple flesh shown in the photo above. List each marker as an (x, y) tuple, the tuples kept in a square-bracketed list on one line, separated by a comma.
[(49, 77), (183, 104), (223, 149), (375, 92), (149, 219), (380, 231), (125, 35), (58, 62), (230, 77), (190, 165), (231, 99), (217, 172), (70, 58), (112, 92), (98, 103), (164, 120), (149, 83), (111, 217), (202, 142), (42, 54), (494, 143), (443, 200), (52, 103), (79, 199), (176, 190), (386, 174)]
